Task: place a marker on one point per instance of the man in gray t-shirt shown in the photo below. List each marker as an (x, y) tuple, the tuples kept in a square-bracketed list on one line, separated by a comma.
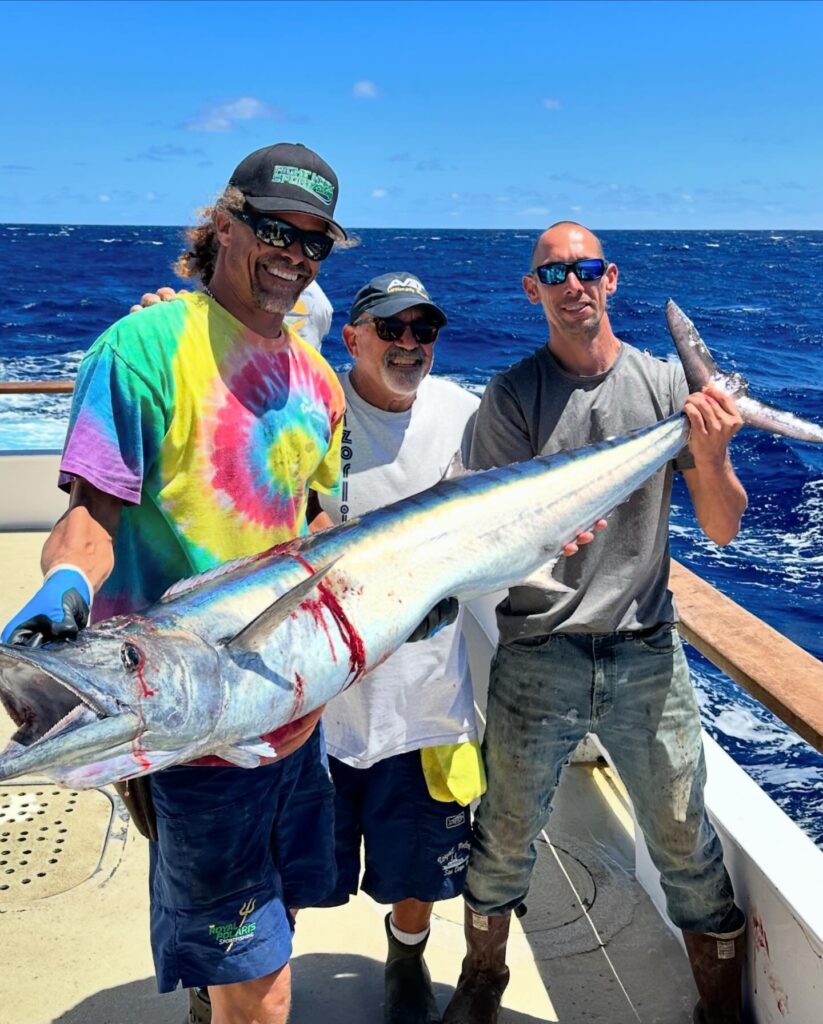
[(603, 657)]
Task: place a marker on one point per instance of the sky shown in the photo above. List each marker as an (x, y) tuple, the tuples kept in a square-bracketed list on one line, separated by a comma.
[(433, 114)]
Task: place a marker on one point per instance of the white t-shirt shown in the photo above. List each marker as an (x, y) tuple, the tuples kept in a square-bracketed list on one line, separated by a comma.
[(421, 696), (311, 315)]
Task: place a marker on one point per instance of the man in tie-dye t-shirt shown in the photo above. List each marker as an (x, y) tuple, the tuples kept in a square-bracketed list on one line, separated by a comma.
[(202, 431)]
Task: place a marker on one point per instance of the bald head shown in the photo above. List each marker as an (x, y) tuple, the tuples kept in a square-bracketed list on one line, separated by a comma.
[(566, 241)]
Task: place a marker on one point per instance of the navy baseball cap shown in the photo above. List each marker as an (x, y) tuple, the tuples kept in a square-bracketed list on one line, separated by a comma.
[(289, 178), (389, 294)]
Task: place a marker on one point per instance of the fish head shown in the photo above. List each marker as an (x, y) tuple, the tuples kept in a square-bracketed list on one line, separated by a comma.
[(121, 694)]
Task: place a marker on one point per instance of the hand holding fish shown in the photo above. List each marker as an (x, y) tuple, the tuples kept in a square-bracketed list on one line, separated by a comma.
[(586, 537), (714, 419), (717, 495)]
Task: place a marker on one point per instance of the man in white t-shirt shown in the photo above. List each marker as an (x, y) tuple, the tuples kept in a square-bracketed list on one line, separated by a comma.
[(402, 743), (311, 315)]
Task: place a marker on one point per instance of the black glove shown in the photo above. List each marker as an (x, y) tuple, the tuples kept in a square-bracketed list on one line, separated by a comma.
[(58, 611), (443, 614)]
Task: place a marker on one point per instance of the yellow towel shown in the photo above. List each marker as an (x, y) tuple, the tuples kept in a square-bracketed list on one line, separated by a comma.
[(454, 772)]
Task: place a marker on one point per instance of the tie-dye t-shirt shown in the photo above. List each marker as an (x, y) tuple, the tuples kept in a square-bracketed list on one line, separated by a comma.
[(211, 436)]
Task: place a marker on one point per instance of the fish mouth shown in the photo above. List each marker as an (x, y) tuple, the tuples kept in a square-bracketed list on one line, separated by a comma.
[(55, 719)]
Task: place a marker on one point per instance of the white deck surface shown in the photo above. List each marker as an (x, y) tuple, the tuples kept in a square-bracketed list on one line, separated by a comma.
[(82, 956)]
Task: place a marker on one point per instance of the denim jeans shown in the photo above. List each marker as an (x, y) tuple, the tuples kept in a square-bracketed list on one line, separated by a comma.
[(633, 691)]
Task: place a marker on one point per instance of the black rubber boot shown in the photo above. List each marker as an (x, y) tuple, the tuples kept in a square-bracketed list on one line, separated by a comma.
[(717, 965), (409, 996), (484, 976), (199, 1006)]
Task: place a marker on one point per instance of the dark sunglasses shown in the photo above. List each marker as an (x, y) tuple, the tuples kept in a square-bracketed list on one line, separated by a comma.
[(583, 270), (316, 245), (392, 328)]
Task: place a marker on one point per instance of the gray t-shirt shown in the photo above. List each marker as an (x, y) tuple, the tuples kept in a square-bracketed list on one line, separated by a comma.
[(620, 580)]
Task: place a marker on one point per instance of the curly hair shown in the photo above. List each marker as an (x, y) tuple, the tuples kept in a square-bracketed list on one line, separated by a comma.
[(199, 259)]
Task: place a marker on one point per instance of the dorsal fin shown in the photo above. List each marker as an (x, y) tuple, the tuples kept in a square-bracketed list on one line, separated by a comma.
[(190, 582), (183, 586), (257, 632), (456, 469)]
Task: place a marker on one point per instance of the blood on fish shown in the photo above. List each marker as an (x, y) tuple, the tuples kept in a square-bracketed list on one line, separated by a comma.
[(315, 608), (759, 934), (147, 692), (299, 694), (137, 751), (352, 639)]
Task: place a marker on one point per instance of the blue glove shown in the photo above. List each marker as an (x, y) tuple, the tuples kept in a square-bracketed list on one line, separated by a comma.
[(443, 614), (58, 611)]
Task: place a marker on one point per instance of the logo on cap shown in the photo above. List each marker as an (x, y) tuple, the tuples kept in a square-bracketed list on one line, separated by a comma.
[(406, 284), (309, 181)]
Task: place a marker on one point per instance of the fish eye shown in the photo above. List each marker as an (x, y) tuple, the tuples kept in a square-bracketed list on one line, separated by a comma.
[(131, 657)]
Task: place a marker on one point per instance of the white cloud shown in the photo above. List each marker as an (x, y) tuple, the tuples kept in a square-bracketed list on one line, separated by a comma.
[(151, 196), (379, 193), (365, 89), (103, 198), (223, 117), (550, 103), (535, 211)]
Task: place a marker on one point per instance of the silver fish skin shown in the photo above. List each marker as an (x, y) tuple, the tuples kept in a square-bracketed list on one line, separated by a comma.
[(226, 657), (701, 369)]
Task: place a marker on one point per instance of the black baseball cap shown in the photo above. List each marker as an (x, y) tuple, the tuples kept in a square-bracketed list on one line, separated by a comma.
[(289, 178), (389, 294)]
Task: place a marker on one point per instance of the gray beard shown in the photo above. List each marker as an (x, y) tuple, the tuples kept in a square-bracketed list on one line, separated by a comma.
[(279, 300), (407, 378)]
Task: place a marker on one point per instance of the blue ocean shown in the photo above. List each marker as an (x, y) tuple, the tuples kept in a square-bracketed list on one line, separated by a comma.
[(756, 297)]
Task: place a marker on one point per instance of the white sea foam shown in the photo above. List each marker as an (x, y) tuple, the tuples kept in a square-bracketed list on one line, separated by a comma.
[(742, 724)]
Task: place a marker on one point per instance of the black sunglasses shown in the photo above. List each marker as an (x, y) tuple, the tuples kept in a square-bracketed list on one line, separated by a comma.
[(392, 328), (316, 245), (583, 270)]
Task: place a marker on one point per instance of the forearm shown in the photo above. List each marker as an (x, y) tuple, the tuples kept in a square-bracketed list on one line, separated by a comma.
[(719, 499), (84, 536)]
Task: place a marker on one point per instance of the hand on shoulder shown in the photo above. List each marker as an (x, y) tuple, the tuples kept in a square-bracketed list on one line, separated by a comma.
[(164, 294)]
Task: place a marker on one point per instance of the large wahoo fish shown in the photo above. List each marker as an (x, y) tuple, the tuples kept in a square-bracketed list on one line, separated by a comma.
[(226, 657), (701, 369)]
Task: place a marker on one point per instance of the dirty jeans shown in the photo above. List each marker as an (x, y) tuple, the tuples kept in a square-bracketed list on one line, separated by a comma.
[(633, 691)]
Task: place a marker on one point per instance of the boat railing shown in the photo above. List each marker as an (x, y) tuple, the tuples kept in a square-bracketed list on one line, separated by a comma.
[(36, 387), (774, 670)]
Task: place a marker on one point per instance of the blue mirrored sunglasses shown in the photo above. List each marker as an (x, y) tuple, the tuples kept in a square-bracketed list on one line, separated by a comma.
[(583, 270)]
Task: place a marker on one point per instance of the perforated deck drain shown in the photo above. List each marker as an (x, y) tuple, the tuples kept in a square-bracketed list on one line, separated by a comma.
[(51, 840)]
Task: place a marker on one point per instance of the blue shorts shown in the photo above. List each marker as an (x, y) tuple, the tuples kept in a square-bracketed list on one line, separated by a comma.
[(416, 847), (236, 848)]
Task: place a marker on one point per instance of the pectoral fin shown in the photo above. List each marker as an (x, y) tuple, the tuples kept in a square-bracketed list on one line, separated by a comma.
[(543, 580), (254, 636)]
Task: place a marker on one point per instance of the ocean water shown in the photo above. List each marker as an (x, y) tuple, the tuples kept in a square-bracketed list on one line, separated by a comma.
[(756, 297)]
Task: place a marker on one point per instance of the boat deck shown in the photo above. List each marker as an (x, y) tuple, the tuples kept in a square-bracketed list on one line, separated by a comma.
[(74, 918)]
